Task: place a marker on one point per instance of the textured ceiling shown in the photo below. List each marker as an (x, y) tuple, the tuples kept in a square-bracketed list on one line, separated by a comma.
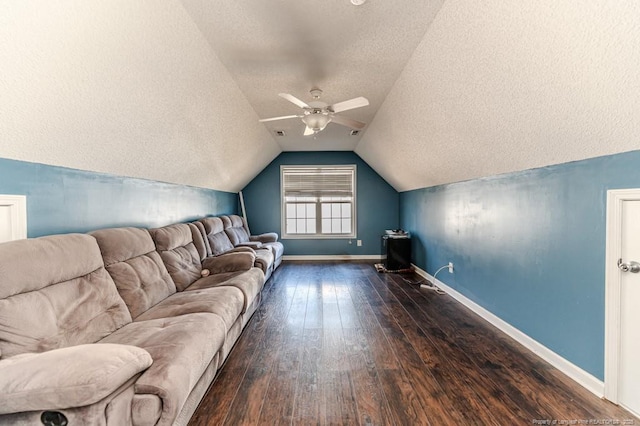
[(124, 87), (291, 46), (503, 86), (173, 90)]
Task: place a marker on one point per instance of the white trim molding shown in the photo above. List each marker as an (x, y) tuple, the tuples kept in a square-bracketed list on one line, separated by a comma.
[(612, 313), (17, 205), (333, 257), (576, 373), (304, 183)]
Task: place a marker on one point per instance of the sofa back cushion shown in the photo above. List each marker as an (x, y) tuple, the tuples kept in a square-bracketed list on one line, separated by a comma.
[(179, 253), (218, 239), (199, 240), (131, 259), (54, 293), (235, 228)]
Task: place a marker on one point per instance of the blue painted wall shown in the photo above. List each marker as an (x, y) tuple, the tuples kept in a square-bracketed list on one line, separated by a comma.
[(377, 208), (527, 246), (62, 200)]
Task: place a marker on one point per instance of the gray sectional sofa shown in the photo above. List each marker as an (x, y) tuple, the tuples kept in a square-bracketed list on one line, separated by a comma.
[(227, 234), (124, 325)]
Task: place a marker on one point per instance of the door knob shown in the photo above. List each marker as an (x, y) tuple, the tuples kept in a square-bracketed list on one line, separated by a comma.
[(632, 266)]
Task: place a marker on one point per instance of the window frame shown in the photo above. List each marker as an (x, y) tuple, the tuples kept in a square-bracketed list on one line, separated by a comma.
[(318, 235)]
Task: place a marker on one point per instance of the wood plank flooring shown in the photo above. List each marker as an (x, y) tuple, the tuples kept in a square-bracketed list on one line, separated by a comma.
[(339, 343)]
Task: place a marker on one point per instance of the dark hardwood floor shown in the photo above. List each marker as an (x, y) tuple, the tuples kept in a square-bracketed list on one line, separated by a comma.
[(339, 343)]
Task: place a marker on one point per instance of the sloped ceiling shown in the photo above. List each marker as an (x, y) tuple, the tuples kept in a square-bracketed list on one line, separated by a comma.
[(125, 87), (173, 90), (292, 46), (504, 85)]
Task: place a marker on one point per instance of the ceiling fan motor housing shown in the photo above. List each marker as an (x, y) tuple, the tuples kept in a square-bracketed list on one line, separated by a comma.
[(315, 93)]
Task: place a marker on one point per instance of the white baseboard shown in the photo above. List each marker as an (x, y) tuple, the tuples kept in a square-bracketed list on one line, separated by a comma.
[(576, 373), (332, 257)]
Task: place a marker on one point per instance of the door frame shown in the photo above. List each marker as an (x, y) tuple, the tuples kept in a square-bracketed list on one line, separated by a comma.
[(615, 200)]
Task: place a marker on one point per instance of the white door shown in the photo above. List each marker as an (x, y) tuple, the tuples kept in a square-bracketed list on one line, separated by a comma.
[(6, 224), (13, 217), (622, 340), (629, 364)]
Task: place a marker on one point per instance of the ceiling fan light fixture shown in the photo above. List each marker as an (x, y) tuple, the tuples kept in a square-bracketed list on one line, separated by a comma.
[(358, 2), (316, 115), (316, 120)]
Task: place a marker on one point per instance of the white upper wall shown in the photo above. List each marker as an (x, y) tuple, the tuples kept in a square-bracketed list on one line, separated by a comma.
[(505, 85), (124, 87)]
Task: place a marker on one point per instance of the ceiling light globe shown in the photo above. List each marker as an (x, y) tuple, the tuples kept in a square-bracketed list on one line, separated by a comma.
[(316, 121)]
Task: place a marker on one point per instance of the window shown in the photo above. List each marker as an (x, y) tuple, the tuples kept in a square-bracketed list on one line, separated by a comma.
[(318, 201)]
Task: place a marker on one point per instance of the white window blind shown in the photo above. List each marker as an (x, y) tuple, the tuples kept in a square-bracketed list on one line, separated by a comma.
[(321, 181)]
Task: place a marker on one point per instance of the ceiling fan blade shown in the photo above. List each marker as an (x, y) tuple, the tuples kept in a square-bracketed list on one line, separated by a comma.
[(348, 122), (278, 118), (350, 104), (308, 131), (293, 100)]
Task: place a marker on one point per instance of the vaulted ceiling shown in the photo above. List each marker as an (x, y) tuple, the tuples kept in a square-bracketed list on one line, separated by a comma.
[(458, 89), (270, 47)]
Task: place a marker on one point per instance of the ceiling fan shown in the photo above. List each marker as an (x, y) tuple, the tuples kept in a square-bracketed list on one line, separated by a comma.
[(317, 114)]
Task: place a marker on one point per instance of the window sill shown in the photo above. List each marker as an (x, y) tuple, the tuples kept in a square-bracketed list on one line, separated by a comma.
[(318, 237)]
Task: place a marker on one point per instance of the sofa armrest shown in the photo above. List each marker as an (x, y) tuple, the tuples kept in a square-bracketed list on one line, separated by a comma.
[(253, 244), (239, 249), (75, 376), (267, 237), (229, 262)]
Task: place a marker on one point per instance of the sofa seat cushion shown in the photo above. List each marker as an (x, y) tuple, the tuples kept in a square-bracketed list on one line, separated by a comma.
[(249, 282), (227, 302), (181, 348), (277, 249)]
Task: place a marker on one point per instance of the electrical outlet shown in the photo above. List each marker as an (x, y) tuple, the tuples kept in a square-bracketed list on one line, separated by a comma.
[(359, 243), (451, 267)]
